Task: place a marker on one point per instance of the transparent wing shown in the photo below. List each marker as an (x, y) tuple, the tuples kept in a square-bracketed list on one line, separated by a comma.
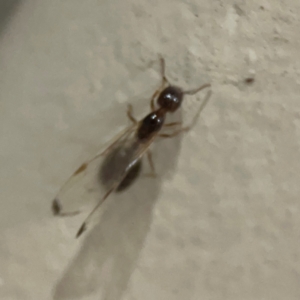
[(83, 187), (92, 183)]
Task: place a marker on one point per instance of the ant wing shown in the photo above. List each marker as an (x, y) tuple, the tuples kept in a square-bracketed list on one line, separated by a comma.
[(97, 178), (129, 156), (87, 184)]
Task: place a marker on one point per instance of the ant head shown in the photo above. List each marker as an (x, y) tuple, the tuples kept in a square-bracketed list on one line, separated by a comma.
[(170, 98)]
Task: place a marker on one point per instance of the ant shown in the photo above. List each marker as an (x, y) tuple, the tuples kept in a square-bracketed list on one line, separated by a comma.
[(118, 166)]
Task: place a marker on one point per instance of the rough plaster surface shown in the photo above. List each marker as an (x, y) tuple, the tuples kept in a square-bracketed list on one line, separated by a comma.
[(225, 222)]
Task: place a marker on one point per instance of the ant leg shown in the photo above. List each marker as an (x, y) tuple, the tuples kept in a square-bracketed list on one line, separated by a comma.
[(130, 114), (195, 91), (164, 81), (151, 164), (172, 124), (165, 135), (152, 105), (193, 123)]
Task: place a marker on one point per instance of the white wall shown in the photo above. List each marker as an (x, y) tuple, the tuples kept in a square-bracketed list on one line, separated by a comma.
[(226, 224)]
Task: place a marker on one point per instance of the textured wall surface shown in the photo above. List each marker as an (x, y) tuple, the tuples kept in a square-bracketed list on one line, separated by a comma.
[(222, 220)]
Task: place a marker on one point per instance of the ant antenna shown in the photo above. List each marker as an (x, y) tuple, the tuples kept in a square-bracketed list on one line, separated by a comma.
[(162, 70), (195, 91)]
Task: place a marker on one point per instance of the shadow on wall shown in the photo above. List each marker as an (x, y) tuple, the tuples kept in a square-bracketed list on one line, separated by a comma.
[(110, 252), (7, 9)]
